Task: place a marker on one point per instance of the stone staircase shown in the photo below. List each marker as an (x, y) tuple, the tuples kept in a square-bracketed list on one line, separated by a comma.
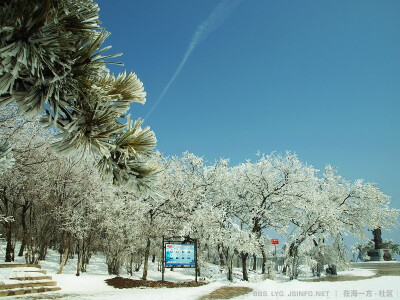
[(26, 279)]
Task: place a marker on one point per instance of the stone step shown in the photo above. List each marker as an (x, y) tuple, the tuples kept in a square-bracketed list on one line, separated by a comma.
[(27, 284), (5, 293), (32, 278), (19, 266), (37, 271)]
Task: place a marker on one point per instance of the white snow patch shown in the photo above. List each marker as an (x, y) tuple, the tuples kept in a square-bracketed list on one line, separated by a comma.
[(92, 285)]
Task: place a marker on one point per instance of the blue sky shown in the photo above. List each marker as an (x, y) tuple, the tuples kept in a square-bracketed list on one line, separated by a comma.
[(319, 78)]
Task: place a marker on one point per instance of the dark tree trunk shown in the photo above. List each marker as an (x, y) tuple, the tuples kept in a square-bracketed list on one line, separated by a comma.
[(86, 253), (137, 266), (79, 263), (221, 256), (8, 227), (61, 251), (113, 265), (264, 260), (244, 266), (10, 246), (43, 251), (254, 262), (129, 267), (24, 230), (293, 254), (153, 260), (229, 264), (146, 260)]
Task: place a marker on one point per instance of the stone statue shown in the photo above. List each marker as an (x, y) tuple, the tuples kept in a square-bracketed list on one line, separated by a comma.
[(377, 238)]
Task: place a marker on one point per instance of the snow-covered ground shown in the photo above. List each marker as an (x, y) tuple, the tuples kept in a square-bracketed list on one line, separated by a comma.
[(91, 285), (376, 288)]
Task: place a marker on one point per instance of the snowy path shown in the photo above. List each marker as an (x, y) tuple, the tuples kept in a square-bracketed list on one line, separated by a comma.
[(94, 287), (376, 288)]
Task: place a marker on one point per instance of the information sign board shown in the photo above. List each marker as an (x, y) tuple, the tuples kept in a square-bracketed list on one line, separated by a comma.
[(179, 255), (179, 252)]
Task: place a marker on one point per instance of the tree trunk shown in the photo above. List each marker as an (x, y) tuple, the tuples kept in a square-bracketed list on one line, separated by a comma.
[(244, 266), (229, 262), (293, 254), (146, 259), (113, 265), (61, 249), (319, 268), (221, 256), (85, 254), (42, 251), (137, 266), (229, 266), (32, 253), (153, 260), (129, 267), (9, 247), (65, 253), (24, 231), (264, 260), (79, 263), (8, 226), (254, 262)]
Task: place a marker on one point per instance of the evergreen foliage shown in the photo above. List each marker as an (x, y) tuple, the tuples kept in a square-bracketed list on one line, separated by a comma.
[(52, 61)]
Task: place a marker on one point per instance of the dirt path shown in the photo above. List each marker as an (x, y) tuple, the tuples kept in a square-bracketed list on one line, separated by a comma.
[(227, 292)]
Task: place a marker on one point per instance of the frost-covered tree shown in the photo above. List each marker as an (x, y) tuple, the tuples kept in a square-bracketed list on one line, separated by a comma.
[(50, 196), (360, 250), (183, 187), (333, 207), (6, 157), (25, 184), (234, 241), (51, 61), (120, 230), (266, 191), (76, 189), (155, 222), (192, 203)]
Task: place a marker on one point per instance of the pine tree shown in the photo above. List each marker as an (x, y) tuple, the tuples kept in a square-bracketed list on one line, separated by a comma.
[(52, 64)]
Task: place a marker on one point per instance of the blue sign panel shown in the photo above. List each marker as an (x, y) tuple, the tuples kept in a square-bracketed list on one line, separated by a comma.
[(179, 255)]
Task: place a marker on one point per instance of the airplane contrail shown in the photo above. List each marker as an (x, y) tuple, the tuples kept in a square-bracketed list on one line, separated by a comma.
[(220, 13)]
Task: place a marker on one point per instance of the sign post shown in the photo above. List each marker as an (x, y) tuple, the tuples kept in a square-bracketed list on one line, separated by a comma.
[(275, 242), (162, 261), (178, 253), (195, 258)]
